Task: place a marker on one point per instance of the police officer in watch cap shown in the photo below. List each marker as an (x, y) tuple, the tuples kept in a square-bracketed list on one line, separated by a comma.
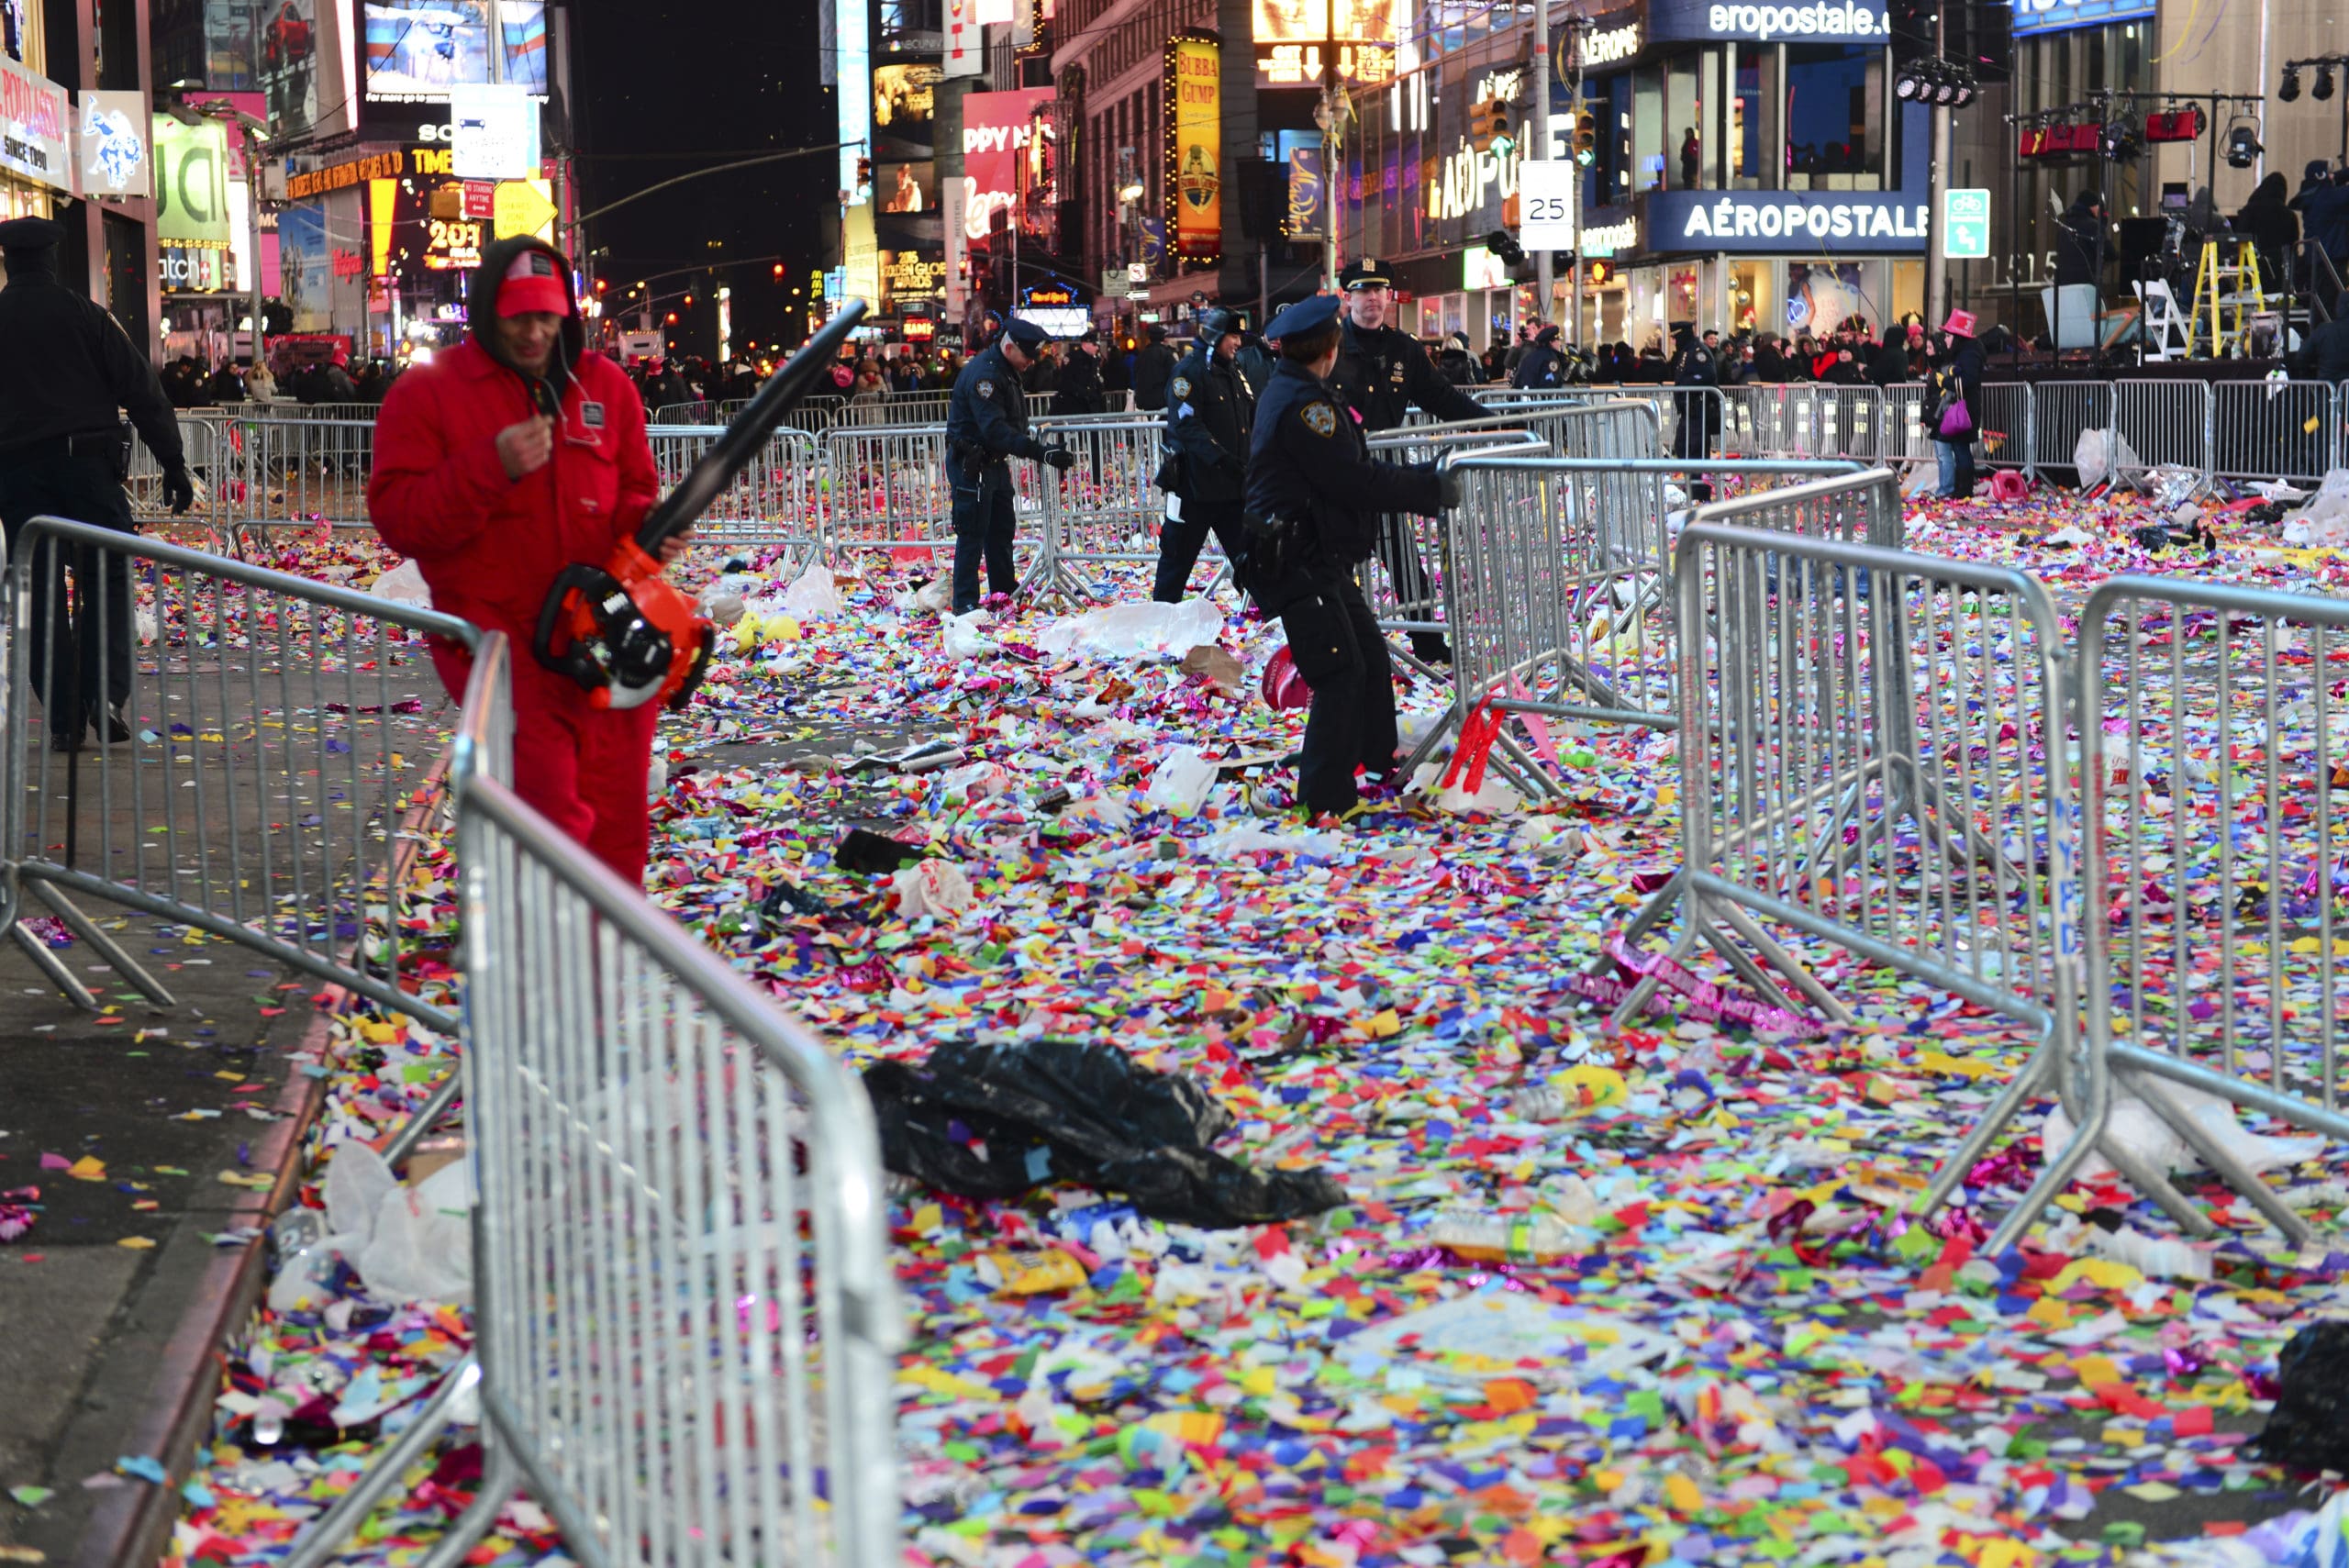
[(1315, 502), (986, 426), (68, 372), (1382, 374), (1210, 411)]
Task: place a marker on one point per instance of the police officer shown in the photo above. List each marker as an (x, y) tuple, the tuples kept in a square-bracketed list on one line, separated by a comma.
[(1209, 413), (1079, 391), (1317, 498), (1543, 366), (1382, 373), (1698, 421), (67, 373), (986, 425)]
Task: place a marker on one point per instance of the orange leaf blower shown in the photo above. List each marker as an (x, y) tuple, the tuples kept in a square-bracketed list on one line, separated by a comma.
[(623, 631)]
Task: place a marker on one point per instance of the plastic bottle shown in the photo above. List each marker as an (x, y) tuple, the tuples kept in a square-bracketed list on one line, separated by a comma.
[(1496, 1238)]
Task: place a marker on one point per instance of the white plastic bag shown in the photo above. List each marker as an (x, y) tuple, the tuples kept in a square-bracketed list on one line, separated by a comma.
[(422, 1249), (2325, 519), (2091, 457), (1135, 631), (723, 604), (937, 597), (976, 780), (2136, 1127), (357, 1181), (403, 585), (1493, 798), (812, 596), (931, 887), (963, 638), (1183, 781)]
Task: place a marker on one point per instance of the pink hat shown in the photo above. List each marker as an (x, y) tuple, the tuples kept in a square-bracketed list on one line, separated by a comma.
[(1960, 322)]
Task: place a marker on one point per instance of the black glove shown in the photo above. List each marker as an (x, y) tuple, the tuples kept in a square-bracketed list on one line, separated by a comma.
[(1447, 489), (1061, 458), (179, 489)]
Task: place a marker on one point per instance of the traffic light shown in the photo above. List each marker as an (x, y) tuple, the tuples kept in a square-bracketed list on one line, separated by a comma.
[(689, 301), (673, 318), (864, 172), (1586, 139), (1600, 273), (778, 272), (1487, 124)]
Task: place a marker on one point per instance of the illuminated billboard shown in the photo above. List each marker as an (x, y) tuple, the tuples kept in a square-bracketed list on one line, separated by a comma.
[(996, 128), (414, 51)]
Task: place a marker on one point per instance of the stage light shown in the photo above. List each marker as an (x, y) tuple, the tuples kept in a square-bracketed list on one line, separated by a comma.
[(2323, 88), (2243, 147), (2291, 87)]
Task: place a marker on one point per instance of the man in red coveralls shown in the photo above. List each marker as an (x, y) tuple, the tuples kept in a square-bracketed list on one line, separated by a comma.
[(507, 458)]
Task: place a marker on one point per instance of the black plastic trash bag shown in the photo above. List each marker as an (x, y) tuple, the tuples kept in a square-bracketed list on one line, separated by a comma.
[(2308, 1429), (1045, 1110)]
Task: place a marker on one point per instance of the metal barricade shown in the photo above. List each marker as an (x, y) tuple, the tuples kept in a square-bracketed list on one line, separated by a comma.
[(772, 501), (2165, 423), (274, 727), (1406, 590), (2061, 412), (1858, 765), (1103, 509), (695, 413), (686, 1326), (1906, 440), (2008, 424), (2213, 952), (1553, 588), (886, 487), (1851, 424), (204, 439), (2275, 429), (303, 474)]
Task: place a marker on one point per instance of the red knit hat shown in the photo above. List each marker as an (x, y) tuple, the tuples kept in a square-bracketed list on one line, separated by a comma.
[(533, 282)]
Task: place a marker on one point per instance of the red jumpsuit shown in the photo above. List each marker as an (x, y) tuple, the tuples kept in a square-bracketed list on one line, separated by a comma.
[(490, 547)]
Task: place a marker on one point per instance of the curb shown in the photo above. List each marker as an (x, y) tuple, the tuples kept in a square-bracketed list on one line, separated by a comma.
[(131, 1525)]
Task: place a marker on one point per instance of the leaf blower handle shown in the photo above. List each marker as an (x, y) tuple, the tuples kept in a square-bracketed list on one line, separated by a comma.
[(747, 437)]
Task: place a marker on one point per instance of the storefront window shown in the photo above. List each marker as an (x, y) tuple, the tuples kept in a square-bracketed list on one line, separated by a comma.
[(1647, 128), (1908, 290), (1821, 297), (1684, 166), (1835, 117), (1680, 296), (1753, 296), (1745, 119)]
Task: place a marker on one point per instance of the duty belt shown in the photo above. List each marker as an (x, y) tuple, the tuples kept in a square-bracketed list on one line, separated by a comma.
[(81, 443)]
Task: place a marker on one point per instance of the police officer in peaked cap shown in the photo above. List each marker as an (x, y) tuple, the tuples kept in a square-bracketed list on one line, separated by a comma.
[(1210, 411), (986, 426), (1383, 373), (68, 373), (1315, 500)]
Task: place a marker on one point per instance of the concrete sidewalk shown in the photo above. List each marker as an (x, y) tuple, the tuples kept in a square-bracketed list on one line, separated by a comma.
[(186, 1110)]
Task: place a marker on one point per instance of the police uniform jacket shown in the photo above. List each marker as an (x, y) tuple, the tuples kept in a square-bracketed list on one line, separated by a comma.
[(1080, 388), (988, 411), (1543, 366), (1307, 459), (66, 367), (1382, 373), (1209, 413)]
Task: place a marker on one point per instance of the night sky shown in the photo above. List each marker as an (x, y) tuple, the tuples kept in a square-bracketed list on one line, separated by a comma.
[(700, 84)]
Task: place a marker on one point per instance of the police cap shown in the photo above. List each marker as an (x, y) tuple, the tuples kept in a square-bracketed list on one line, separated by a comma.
[(1306, 315), (1369, 272), (22, 236), (1027, 334)]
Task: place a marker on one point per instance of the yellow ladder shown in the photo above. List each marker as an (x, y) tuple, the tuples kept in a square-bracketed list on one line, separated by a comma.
[(2211, 278)]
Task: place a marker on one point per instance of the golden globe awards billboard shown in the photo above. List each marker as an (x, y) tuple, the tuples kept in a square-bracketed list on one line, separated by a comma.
[(1194, 177)]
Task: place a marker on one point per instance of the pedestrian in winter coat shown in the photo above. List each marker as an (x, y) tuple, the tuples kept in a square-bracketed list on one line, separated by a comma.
[(1957, 380), (510, 457), (2268, 221), (1458, 365), (1888, 364), (2080, 250), (1153, 368)]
